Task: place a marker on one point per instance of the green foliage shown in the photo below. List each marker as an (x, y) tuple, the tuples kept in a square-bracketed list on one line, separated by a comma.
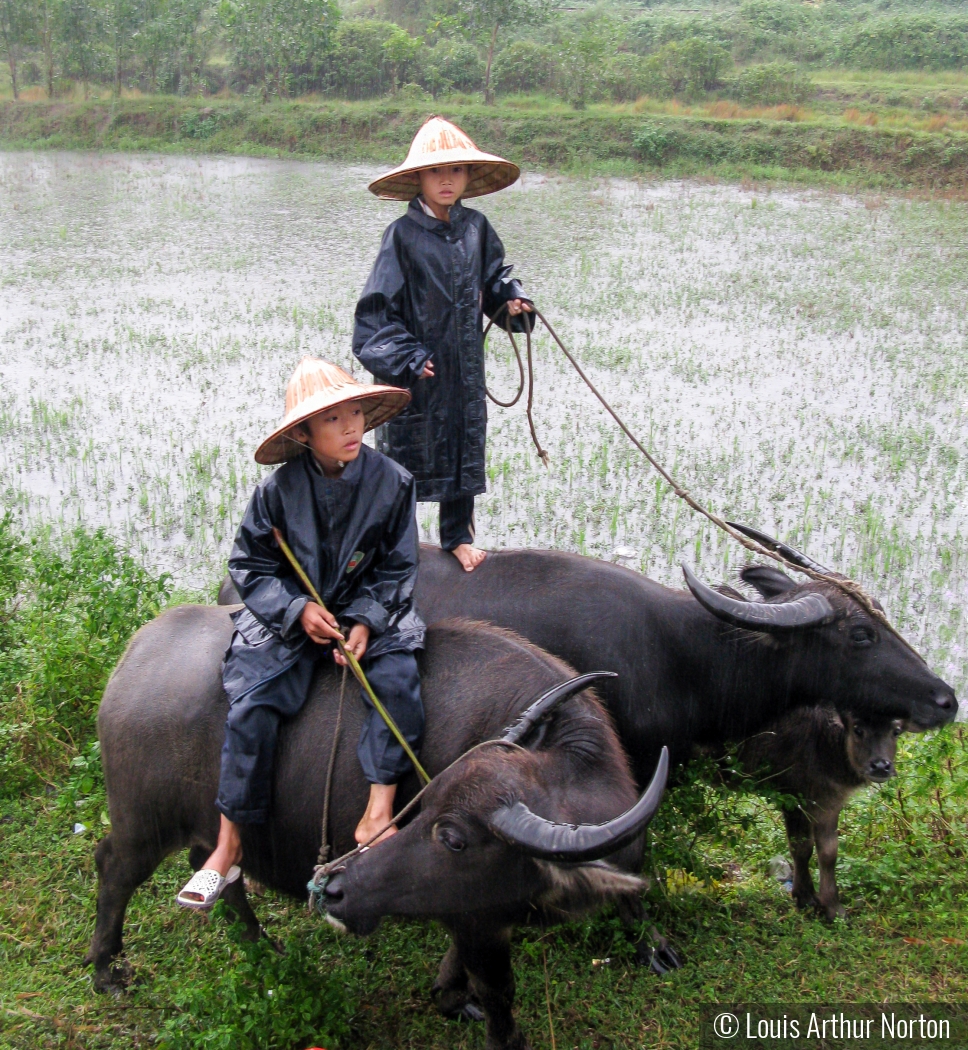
[(688, 67), (523, 66), (908, 42), (259, 998), (358, 65), (19, 30), (452, 65), (772, 84), (285, 42), (68, 610)]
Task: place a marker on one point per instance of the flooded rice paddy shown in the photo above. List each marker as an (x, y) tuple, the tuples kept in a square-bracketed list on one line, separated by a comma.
[(798, 359)]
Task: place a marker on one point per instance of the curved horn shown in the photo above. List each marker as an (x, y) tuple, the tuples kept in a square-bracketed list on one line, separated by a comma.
[(790, 554), (809, 610), (547, 840), (546, 704)]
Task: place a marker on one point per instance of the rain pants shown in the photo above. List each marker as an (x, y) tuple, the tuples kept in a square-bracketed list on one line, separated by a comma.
[(356, 538)]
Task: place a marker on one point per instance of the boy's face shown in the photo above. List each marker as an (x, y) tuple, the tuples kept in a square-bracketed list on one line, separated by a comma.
[(444, 186), (335, 436)]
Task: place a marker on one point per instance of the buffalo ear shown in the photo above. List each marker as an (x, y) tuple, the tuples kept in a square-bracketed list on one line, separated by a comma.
[(731, 592), (768, 581)]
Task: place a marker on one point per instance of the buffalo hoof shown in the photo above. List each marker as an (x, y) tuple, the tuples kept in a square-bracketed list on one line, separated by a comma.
[(806, 901), (455, 1004), (660, 957), (114, 980), (831, 912)]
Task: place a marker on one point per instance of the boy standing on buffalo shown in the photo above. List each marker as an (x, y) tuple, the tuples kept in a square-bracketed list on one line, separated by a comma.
[(348, 514), (440, 268)]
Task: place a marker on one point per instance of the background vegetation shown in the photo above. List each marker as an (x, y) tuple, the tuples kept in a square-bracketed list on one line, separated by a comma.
[(875, 91)]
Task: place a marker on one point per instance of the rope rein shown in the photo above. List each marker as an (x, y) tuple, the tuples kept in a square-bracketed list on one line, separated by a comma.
[(847, 586), (323, 869)]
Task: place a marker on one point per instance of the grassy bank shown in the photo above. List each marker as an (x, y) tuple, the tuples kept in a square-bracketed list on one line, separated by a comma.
[(779, 143)]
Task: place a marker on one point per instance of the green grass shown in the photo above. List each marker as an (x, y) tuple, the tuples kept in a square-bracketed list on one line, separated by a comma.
[(902, 877), (539, 132)]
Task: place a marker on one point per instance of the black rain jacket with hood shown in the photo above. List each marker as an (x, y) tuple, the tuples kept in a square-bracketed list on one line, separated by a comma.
[(425, 299), (356, 538)]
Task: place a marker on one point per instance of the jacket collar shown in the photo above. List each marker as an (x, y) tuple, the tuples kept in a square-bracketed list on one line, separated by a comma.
[(458, 216), (351, 472)]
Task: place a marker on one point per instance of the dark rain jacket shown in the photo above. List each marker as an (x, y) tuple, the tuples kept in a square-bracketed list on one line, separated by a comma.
[(356, 538), (425, 298)]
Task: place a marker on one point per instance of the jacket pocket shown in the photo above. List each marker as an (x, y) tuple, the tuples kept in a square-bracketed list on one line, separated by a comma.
[(408, 442)]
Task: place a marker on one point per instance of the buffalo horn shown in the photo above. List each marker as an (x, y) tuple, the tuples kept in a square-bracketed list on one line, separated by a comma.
[(545, 705), (809, 610), (790, 554), (572, 843)]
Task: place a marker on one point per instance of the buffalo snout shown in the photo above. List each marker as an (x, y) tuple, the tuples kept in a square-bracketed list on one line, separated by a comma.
[(361, 924), (881, 769)]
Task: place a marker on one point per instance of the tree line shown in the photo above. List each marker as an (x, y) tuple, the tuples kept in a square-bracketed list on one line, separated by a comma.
[(758, 50)]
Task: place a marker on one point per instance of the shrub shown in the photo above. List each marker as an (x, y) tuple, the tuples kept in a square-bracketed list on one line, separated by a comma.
[(626, 76), (522, 66), (651, 143), (259, 999), (67, 610), (452, 65), (358, 66), (687, 67), (771, 84), (909, 42)]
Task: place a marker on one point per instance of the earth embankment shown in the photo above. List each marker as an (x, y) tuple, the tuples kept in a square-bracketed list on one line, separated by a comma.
[(606, 140)]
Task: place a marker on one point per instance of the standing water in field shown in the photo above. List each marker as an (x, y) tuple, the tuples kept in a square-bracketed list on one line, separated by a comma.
[(798, 359)]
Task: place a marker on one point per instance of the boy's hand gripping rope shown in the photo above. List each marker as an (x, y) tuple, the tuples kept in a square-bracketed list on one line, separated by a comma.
[(842, 583), (352, 661)]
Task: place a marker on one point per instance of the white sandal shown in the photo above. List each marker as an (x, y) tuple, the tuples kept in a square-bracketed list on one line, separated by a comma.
[(208, 884)]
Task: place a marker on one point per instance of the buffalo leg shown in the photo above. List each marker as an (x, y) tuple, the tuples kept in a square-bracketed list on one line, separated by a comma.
[(486, 955), (800, 837), (653, 951), (825, 837), (450, 992), (122, 867)]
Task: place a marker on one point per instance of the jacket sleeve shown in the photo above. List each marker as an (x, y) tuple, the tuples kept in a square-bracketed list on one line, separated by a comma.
[(388, 585), (381, 341), (499, 286), (261, 575)]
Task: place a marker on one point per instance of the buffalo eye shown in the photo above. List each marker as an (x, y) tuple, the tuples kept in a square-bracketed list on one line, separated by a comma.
[(862, 636), (450, 838), (859, 731)]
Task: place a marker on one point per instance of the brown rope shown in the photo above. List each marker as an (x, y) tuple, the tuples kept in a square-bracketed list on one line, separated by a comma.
[(323, 854), (322, 871), (843, 583)]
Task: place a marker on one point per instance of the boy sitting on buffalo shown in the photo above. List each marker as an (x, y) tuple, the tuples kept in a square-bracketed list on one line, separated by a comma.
[(348, 514)]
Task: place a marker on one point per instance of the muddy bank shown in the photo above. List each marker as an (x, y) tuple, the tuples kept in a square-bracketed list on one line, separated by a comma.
[(592, 141)]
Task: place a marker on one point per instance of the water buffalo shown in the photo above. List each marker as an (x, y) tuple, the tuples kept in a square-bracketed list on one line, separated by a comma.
[(818, 759), (693, 668), (518, 828)]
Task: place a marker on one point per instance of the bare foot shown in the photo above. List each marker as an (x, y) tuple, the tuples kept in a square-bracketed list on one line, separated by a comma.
[(379, 813), (367, 828), (470, 557)]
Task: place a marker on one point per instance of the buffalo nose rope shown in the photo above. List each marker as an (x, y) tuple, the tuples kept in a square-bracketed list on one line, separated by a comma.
[(842, 583)]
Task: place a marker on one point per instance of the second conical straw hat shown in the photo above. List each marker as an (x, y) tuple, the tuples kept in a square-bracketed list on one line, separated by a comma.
[(440, 143), (317, 385)]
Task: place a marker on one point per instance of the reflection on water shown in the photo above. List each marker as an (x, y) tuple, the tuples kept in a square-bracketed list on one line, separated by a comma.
[(799, 359)]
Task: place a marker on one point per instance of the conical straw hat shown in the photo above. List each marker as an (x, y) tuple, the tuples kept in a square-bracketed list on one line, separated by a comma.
[(439, 143), (317, 385)]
